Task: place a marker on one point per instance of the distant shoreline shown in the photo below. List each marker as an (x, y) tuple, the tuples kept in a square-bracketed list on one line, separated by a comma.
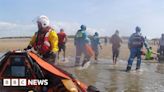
[(18, 37), (72, 36), (15, 37), (69, 36)]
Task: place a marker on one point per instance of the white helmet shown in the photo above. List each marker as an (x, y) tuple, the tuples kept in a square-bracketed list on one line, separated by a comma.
[(43, 20)]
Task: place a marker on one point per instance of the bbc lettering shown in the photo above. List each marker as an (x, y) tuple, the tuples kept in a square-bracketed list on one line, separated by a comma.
[(24, 82), (14, 82)]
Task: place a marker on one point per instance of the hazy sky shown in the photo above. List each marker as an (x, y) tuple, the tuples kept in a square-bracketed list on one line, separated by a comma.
[(104, 16)]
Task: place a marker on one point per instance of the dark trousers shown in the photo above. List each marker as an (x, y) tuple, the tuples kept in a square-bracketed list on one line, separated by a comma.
[(161, 50), (134, 52), (79, 51)]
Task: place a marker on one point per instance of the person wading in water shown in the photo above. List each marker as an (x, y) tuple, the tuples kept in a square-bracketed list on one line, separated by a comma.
[(116, 44)]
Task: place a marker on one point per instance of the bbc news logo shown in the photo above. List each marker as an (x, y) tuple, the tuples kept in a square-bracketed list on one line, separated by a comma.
[(25, 82)]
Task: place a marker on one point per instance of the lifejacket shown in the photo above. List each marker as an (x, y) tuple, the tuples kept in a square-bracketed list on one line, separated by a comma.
[(137, 41), (149, 54), (79, 34), (42, 44)]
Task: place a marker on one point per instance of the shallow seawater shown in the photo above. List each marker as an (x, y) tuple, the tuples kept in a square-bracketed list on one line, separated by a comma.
[(1, 54), (113, 78)]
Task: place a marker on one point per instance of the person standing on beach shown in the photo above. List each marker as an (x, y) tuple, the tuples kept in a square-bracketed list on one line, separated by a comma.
[(62, 41), (135, 44), (45, 40), (81, 42), (105, 40), (161, 45), (95, 43), (116, 44)]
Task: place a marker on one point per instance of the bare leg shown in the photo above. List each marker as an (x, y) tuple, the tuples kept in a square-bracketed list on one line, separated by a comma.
[(64, 54), (96, 56), (117, 54), (114, 55), (115, 60), (78, 56), (64, 51), (58, 54)]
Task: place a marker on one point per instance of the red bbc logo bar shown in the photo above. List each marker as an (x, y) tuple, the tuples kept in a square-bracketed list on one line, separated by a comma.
[(14, 82)]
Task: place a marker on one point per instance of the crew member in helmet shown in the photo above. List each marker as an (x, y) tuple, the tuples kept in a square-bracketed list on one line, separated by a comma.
[(95, 43), (81, 39), (45, 40), (161, 45), (135, 44)]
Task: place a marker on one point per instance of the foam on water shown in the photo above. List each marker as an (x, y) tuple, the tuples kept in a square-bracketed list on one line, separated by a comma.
[(86, 65), (63, 61)]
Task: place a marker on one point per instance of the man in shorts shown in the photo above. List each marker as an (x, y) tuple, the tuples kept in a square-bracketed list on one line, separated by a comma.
[(62, 41)]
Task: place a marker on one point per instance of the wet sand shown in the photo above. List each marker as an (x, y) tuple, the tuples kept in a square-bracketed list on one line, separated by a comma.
[(13, 44)]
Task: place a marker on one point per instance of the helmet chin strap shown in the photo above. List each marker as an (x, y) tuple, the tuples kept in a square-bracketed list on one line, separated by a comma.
[(39, 25), (40, 29)]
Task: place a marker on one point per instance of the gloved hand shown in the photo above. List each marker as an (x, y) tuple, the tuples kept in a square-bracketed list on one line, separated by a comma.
[(129, 47), (147, 49), (28, 47), (48, 54)]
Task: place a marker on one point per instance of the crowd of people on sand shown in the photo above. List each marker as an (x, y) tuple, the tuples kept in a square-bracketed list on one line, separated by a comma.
[(49, 44)]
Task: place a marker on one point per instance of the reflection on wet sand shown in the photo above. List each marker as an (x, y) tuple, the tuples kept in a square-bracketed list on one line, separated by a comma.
[(114, 81), (160, 68), (133, 83), (113, 78)]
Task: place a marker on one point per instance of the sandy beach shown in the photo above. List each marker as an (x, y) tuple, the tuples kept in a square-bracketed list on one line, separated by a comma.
[(105, 53)]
